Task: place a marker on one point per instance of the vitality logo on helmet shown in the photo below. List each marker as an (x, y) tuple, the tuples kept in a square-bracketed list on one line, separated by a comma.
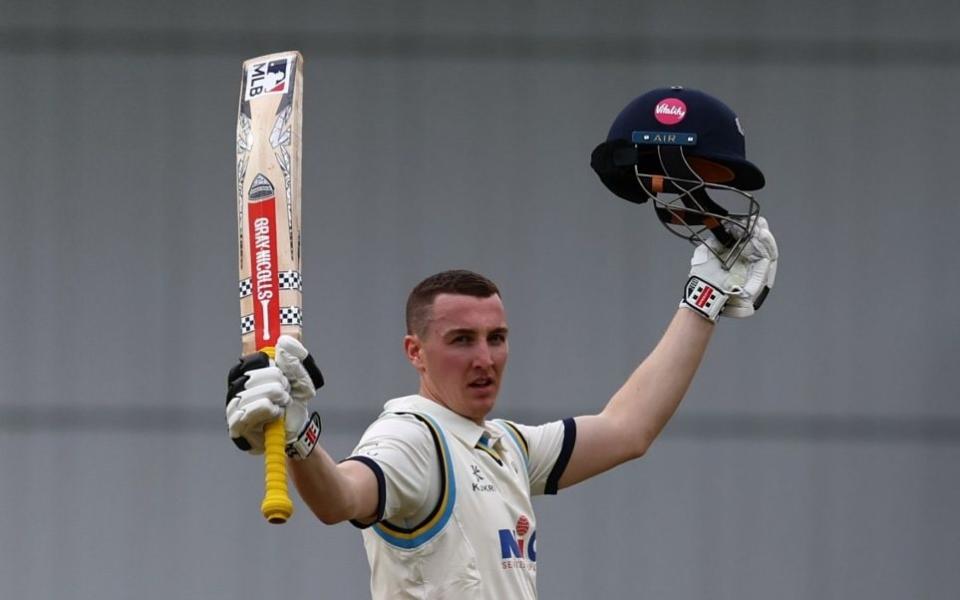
[(670, 111)]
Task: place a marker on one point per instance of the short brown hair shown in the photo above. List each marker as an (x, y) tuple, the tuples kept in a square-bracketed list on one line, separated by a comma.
[(457, 281)]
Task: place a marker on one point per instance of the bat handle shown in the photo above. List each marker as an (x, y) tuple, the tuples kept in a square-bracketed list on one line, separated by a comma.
[(276, 506)]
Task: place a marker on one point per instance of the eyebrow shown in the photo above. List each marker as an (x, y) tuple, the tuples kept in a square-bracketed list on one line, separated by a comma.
[(464, 330)]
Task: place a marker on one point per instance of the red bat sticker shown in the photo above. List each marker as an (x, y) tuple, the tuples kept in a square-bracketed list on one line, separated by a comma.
[(263, 255)]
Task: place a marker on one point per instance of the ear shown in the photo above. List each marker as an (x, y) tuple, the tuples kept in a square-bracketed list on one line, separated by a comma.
[(413, 348)]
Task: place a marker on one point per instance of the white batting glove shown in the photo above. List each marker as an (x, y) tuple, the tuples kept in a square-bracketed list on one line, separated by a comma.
[(712, 290), (256, 394), (261, 390), (305, 379), (759, 257)]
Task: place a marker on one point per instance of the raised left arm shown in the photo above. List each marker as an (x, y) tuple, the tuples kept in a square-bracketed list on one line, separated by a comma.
[(640, 409)]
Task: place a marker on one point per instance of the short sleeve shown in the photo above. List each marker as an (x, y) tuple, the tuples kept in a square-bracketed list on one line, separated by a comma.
[(548, 448), (401, 448)]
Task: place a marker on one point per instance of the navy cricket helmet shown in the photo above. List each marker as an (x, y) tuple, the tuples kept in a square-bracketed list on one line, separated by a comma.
[(683, 142), (706, 128)]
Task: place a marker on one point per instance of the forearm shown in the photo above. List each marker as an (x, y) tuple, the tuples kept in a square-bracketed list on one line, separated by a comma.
[(652, 393), (333, 492)]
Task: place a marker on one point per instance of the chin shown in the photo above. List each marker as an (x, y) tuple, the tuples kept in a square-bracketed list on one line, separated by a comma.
[(483, 403), (472, 404)]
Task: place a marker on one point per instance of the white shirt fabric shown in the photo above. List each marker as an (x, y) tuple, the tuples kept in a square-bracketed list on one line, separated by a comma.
[(455, 517)]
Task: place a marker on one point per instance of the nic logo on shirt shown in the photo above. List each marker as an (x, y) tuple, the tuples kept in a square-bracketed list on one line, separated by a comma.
[(517, 549)]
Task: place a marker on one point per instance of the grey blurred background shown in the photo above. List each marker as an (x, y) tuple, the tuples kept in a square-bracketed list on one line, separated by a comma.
[(816, 455)]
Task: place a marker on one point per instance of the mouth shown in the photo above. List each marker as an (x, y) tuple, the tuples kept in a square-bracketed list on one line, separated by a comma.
[(482, 383)]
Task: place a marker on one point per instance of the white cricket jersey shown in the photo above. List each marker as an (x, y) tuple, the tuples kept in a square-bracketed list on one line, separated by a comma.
[(454, 514)]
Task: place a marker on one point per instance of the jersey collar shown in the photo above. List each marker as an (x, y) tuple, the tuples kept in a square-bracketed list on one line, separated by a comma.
[(461, 427)]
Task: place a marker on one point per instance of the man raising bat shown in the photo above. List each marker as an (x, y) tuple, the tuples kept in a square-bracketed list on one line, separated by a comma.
[(441, 491)]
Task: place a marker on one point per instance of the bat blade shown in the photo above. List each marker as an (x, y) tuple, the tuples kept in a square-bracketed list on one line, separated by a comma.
[(268, 229)]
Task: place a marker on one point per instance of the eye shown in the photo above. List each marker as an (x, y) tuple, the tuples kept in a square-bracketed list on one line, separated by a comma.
[(461, 339), (498, 338)]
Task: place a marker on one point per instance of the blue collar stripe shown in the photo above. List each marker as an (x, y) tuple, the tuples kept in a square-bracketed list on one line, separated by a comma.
[(514, 435), (448, 497)]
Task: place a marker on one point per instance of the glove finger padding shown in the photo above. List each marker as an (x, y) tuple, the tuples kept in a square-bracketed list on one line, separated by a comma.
[(249, 362), (760, 257), (255, 397), (305, 379), (299, 367), (772, 250), (772, 274), (705, 265), (759, 253), (764, 245), (245, 438), (756, 278)]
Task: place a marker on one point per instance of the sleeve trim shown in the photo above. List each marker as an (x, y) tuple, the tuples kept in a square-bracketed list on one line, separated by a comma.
[(569, 439), (381, 489), (410, 538)]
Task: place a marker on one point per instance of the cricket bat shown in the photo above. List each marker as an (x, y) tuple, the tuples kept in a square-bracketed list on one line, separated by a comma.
[(268, 228)]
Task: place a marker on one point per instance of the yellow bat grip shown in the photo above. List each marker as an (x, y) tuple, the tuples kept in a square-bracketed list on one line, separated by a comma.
[(276, 506)]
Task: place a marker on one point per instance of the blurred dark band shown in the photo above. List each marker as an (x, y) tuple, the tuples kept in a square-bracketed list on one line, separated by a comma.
[(564, 48)]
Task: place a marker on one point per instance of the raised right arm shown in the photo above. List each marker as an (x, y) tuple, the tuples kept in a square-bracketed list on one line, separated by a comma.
[(259, 391), (336, 492)]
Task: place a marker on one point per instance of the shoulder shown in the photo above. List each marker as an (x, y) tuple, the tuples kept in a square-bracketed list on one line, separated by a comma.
[(397, 425), (546, 448), (534, 434)]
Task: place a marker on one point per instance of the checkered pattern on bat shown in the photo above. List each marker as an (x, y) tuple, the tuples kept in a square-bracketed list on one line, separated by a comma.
[(246, 324), (289, 280), (289, 315)]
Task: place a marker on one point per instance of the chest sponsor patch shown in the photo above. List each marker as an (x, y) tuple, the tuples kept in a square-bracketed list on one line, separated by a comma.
[(518, 546)]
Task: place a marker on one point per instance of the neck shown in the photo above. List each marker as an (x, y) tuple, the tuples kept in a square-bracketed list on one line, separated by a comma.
[(429, 395)]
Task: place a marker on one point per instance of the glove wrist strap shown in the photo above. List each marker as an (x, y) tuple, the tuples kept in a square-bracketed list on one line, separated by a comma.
[(703, 298), (301, 447)]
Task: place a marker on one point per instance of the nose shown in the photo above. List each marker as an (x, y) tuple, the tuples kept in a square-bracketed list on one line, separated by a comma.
[(483, 358)]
